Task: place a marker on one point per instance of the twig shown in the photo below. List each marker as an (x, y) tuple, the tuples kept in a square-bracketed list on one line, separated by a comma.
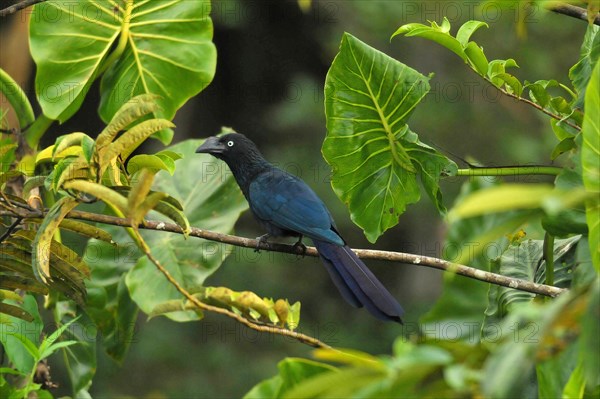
[(11, 228), (18, 6), (401, 257), (529, 102), (305, 339), (573, 11)]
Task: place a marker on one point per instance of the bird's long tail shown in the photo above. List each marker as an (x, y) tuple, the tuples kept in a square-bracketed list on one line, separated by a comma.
[(357, 284)]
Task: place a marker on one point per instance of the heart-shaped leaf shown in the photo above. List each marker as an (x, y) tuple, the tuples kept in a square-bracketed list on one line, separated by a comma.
[(375, 157)]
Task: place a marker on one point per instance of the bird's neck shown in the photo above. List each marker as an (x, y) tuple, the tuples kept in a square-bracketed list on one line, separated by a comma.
[(245, 170)]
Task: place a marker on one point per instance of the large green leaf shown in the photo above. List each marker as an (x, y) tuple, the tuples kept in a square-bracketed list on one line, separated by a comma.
[(581, 72), (571, 220), (108, 302), (590, 162), (68, 43), (163, 48), (211, 201), (292, 371), (375, 157), (553, 373), (169, 53), (525, 261)]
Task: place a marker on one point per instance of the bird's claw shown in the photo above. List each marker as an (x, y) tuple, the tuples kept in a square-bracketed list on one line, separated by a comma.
[(300, 248), (262, 240)]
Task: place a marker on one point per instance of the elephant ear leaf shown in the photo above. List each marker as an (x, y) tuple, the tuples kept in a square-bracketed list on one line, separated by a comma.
[(376, 158), (74, 44)]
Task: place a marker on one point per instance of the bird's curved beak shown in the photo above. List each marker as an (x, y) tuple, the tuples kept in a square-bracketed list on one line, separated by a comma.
[(211, 145)]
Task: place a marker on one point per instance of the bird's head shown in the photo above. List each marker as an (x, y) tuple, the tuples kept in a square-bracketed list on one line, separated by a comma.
[(228, 147)]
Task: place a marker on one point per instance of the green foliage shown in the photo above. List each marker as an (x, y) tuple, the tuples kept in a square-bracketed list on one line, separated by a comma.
[(167, 53), (80, 358), (136, 47), (473, 241), (494, 71), (43, 238), (376, 158), (590, 162), (26, 349), (151, 58), (581, 72), (432, 368), (499, 368), (291, 372), (17, 260), (525, 260), (109, 304), (524, 346)]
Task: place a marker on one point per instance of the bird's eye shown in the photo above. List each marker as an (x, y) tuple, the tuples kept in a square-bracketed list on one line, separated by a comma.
[(230, 143)]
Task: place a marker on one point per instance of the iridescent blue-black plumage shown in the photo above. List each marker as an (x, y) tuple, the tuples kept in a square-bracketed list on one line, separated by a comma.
[(286, 206)]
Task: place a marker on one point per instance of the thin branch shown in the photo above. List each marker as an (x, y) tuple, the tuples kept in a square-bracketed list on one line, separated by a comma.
[(525, 170), (401, 257), (573, 11), (11, 228), (18, 6), (526, 101), (523, 99), (303, 338)]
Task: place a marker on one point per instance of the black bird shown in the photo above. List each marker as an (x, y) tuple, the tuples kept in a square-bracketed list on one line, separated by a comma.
[(286, 206)]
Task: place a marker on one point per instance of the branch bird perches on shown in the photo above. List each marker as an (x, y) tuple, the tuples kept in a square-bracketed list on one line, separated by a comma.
[(401, 257)]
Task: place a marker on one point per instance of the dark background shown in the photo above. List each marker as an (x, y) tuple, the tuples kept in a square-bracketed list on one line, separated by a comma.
[(272, 63)]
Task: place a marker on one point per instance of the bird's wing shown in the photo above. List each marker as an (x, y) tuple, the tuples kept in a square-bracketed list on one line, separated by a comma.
[(287, 202)]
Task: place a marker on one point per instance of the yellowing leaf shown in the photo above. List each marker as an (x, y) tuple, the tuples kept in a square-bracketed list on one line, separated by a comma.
[(47, 154), (101, 192), (131, 111), (130, 140), (66, 141), (138, 194), (43, 239)]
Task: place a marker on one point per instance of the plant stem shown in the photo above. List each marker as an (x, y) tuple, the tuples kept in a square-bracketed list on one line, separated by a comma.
[(511, 171), (37, 130), (548, 249), (525, 100)]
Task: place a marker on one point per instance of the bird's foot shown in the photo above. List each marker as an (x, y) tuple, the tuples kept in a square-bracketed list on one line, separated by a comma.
[(299, 247), (262, 240)]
